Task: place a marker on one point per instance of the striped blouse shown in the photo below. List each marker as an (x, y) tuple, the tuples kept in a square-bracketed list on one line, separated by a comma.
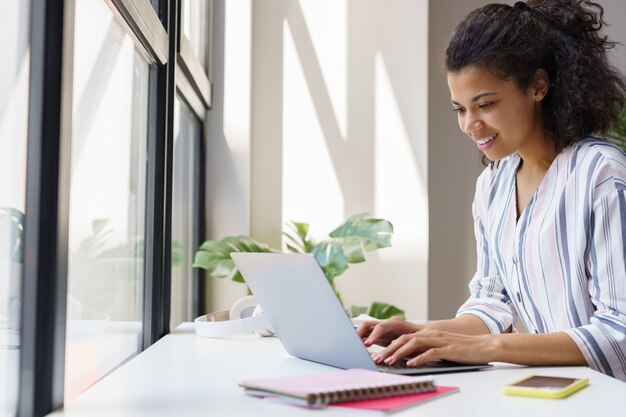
[(562, 265)]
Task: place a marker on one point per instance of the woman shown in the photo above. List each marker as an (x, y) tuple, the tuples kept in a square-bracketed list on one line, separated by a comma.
[(530, 83)]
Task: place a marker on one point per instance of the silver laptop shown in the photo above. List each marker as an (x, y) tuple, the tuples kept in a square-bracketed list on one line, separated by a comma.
[(308, 318)]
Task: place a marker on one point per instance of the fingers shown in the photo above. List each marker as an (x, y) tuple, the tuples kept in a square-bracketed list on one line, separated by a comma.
[(385, 331), (428, 356), (409, 345), (376, 334), (387, 355), (366, 327)]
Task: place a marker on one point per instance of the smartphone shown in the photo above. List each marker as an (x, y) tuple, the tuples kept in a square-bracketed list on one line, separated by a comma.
[(545, 386)]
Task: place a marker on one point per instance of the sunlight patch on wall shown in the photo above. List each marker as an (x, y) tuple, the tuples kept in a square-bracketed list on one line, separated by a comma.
[(401, 196), (311, 191), (329, 37), (237, 80)]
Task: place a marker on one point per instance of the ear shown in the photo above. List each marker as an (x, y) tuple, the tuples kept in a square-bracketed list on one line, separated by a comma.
[(540, 85)]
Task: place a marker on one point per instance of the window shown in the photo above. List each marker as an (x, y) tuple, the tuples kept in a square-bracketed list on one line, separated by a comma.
[(185, 200), (14, 72), (193, 52), (107, 197), (196, 16), (89, 136), (193, 99)]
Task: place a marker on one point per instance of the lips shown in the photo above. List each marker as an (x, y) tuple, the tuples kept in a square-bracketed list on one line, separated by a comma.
[(485, 139)]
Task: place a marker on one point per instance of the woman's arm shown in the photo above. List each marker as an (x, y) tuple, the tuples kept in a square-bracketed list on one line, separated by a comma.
[(547, 349), (465, 324)]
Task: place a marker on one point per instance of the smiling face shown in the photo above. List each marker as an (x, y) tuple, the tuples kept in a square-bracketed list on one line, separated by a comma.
[(496, 114)]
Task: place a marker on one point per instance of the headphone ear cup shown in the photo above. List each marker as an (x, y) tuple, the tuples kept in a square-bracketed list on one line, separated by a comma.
[(247, 307), (243, 308)]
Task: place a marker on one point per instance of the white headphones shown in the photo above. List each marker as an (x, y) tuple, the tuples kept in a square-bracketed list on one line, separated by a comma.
[(244, 316)]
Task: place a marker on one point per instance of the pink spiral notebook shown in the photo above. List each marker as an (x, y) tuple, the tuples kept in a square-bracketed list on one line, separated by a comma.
[(397, 403), (353, 388)]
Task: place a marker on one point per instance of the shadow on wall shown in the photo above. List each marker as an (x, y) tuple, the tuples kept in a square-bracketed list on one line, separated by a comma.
[(340, 97), (338, 125)]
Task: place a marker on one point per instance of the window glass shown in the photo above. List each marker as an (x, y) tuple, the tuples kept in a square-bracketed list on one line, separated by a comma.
[(14, 72), (187, 136), (196, 15), (107, 197)]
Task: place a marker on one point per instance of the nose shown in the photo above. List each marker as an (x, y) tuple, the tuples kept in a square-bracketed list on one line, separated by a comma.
[(472, 123)]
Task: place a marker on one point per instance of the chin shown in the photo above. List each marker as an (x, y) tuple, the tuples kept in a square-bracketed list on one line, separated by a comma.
[(497, 154)]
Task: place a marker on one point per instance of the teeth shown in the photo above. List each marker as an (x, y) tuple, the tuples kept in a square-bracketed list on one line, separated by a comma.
[(486, 140)]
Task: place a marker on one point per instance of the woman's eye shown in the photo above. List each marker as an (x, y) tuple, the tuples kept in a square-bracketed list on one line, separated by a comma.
[(486, 106), (459, 110)]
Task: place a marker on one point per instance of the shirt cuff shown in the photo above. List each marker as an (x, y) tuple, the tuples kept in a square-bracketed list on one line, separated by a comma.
[(494, 325), (601, 349)]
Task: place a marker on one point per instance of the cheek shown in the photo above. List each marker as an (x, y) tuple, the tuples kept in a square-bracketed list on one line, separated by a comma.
[(522, 114), (461, 122)]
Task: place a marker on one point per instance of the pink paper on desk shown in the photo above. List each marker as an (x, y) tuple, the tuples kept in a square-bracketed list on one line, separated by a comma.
[(395, 403)]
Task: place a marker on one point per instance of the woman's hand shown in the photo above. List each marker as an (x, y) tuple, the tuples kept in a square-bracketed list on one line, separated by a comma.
[(429, 344), (384, 332)]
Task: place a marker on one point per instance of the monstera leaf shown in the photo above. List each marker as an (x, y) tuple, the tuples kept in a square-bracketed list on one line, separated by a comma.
[(347, 243), (298, 238), (214, 255)]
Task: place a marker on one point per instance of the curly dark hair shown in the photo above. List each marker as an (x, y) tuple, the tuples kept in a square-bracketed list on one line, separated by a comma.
[(564, 38)]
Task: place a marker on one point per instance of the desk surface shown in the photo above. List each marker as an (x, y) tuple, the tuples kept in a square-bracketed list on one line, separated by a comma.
[(185, 375)]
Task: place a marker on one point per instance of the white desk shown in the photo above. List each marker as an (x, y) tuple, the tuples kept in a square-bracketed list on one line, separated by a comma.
[(184, 375)]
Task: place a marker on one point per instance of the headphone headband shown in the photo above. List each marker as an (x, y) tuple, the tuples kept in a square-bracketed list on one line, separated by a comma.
[(237, 321)]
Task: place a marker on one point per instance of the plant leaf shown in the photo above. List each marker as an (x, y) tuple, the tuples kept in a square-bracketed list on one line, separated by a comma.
[(384, 311), (214, 255), (293, 249), (331, 258), (347, 243), (356, 310), (298, 234), (375, 232)]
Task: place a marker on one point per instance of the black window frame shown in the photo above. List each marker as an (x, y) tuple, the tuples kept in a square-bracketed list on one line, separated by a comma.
[(155, 25), (194, 87)]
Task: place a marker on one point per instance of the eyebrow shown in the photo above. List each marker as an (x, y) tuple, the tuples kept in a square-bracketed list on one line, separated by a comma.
[(477, 97)]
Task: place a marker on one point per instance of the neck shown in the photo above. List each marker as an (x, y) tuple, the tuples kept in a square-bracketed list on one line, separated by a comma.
[(538, 156)]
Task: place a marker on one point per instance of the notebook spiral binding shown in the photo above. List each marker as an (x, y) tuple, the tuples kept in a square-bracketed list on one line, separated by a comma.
[(358, 393)]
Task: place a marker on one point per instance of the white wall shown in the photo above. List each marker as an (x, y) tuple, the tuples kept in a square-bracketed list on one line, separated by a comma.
[(335, 107), (453, 165), (615, 16), (227, 129), (336, 125), (338, 87)]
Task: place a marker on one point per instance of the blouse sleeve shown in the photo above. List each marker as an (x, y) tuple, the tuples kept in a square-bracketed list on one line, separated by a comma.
[(488, 299), (603, 340)]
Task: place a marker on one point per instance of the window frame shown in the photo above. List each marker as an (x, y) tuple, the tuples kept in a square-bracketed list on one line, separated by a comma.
[(198, 222), (194, 87), (155, 26), (42, 358), (189, 63)]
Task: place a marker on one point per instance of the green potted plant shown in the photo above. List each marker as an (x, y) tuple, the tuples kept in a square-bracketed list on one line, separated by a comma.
[(345, 245)]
